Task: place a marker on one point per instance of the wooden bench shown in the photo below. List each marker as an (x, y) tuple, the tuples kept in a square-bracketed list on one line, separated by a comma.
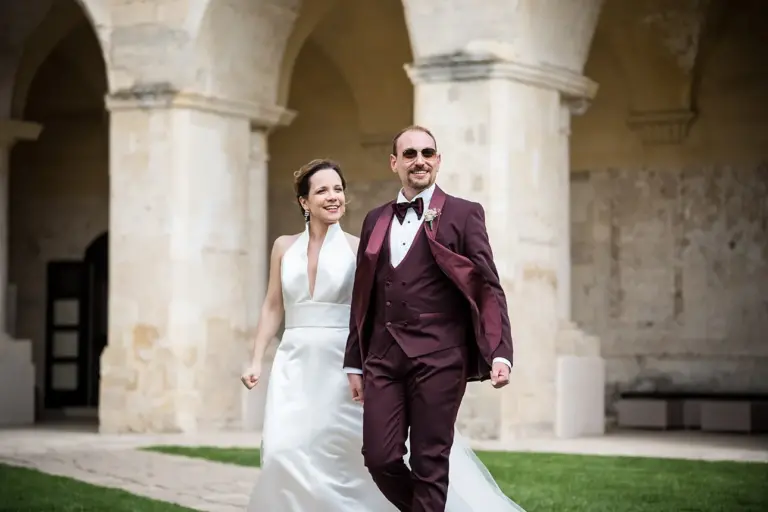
[(712, 412)]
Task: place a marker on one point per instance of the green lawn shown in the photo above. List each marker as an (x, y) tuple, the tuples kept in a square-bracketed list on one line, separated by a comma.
[(580, 483), (27, 490)]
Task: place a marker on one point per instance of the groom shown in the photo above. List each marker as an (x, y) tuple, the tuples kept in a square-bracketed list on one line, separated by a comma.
[(428, 315)]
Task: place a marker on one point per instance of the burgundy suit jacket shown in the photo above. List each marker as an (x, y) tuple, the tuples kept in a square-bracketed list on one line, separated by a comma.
[(462, 251)]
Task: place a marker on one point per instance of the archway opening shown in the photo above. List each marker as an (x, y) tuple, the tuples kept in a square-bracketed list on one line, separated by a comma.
[(351, 95), (59, 212)]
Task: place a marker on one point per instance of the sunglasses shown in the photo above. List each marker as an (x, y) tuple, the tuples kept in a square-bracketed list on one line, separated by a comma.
[(411, 153)]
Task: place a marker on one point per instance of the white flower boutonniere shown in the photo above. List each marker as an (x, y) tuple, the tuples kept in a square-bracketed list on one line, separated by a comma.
[(430, 215)]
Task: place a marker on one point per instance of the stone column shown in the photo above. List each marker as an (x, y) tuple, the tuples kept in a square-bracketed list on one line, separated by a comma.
[(180, 244), (17, 371), (499, 125)]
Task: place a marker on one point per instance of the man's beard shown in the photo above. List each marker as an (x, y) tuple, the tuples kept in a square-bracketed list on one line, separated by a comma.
[(419, 185)]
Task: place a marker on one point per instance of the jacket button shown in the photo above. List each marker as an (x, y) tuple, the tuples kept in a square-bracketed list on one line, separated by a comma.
[(389, 303), (388, 324)]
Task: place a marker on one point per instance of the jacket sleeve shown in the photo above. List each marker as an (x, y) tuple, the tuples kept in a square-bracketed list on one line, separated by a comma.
[(477, 248), (353, 357)]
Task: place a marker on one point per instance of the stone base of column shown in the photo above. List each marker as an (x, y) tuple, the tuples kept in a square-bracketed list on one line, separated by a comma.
[(580, 384), (149, 389), (17, 380), (561, 395)]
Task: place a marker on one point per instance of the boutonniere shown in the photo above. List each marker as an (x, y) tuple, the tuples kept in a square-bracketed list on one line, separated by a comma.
[(430, 215)]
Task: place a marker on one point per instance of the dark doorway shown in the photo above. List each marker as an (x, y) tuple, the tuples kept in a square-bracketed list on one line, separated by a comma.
[(76, 327)]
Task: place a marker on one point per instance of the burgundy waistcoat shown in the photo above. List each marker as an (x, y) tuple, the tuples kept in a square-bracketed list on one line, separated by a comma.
[(415, 304)]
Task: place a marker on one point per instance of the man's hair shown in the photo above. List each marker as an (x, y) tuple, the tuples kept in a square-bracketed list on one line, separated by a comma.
[(412, 128)]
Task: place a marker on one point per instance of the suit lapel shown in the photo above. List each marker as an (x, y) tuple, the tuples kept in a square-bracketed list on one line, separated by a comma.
[(366, 273), (444, 257), (461, 271), (379, 233), (435, 204), (448, 261)]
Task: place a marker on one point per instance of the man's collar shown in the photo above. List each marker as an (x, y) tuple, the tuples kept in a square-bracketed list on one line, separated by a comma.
[(425, 195)]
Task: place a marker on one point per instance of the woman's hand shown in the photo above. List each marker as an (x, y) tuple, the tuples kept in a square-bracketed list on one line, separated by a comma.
[(251, 376)]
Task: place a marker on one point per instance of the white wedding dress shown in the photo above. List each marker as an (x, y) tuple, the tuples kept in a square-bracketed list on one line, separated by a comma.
[(312, 435)]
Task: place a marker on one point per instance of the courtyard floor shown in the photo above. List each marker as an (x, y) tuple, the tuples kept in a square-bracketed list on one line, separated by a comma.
[(112, 460)]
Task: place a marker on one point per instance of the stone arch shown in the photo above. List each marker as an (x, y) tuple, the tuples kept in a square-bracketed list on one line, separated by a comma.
[(59, 191), (369, 44), (311, 14), (100, 17), (528, 31), (63, 18), (223, 29), (326, 126), (372, 57), (362, 48)]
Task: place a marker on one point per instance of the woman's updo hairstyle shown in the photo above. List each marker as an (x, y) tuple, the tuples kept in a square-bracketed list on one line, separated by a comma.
[(302, 176)]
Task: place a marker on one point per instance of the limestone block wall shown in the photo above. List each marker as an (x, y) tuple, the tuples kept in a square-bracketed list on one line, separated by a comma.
[(668, 217), (670, 269)]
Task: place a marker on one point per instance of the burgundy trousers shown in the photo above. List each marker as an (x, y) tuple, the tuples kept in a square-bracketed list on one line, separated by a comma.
[(423, 394)]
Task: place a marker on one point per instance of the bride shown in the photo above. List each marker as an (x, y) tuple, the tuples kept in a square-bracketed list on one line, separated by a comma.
[(312, 435)]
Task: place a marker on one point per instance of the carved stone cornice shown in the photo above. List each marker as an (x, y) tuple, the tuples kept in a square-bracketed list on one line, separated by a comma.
[(164, 96), (572, 107), (12, 130), (577, 106), (462, 67), (661, 126)]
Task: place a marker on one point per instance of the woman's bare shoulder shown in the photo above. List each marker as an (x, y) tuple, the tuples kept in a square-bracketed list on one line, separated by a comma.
[(283, 242)]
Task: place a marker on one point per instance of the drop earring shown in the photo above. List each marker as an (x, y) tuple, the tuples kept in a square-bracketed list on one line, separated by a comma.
[(306, 215)]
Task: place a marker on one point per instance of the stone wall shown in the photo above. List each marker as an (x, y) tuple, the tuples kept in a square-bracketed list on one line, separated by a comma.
[(670, 269)]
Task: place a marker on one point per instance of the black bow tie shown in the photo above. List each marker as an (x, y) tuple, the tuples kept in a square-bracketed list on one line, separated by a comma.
[(402, 208)]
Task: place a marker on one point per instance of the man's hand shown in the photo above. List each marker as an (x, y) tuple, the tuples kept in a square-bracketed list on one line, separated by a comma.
[(356, 386), (499, 375)]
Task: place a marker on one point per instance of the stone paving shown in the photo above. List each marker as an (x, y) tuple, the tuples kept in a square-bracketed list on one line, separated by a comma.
[(113, 461)]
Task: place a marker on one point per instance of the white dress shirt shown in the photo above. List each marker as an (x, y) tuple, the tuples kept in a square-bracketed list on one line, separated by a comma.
[(401, 237)]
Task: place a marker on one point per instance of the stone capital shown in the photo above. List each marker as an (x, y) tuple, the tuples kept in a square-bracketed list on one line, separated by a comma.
[(572, 107), (12, 130), (461, 66), (164, 96)]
